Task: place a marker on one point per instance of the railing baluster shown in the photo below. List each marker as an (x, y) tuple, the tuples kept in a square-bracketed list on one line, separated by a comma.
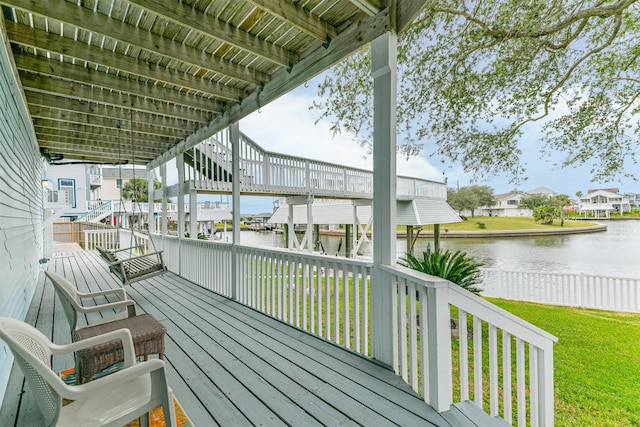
[(506, 377), (464, 355), (533, 386), (477, 361), (413, 336), (402, 330), (520, 384), (493, 371)]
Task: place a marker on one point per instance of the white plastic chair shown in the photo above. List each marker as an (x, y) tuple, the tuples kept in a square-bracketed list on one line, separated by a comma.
[(112, 400), (71, 300)]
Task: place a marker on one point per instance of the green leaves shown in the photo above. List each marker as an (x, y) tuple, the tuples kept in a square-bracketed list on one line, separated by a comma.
[(475, 76), (456, 267)]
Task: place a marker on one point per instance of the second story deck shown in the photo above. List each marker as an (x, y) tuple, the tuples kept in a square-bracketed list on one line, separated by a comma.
[(209, 170)]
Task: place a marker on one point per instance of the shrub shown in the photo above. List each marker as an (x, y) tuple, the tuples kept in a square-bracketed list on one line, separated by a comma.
[(456, 267), (481, 225)]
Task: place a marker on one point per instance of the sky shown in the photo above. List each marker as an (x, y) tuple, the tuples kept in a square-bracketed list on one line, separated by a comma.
[(287, 126)]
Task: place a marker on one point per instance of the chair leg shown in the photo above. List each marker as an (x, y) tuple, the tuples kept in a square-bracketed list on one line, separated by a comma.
[(144, 420)]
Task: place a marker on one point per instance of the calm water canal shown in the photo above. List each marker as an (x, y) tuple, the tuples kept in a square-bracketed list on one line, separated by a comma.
[(615, 252)]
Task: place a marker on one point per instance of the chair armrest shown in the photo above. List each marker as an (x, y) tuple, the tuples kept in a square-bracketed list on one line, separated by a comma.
[(124, 335), (109, 306), (75, 392), (121, 261), (120, 292)]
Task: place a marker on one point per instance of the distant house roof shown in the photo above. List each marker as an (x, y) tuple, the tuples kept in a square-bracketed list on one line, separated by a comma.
[(610, 190), (542, 191), (263, 215), (508, 195)]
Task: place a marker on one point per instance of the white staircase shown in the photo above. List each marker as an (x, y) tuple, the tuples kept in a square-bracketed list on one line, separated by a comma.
[(98, 213)]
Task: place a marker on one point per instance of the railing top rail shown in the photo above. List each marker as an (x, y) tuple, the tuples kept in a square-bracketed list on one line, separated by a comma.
[(500, 270), (310, 256), (479, 307), (94, 210), (319, 162)]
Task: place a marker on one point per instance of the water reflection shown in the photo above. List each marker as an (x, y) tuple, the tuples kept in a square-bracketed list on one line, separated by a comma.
[(614, 252)]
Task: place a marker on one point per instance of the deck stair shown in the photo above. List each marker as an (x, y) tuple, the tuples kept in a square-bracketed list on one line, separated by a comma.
[(98, 213)]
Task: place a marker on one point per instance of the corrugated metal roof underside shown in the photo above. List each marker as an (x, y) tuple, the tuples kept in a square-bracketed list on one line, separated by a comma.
[(416, 212)]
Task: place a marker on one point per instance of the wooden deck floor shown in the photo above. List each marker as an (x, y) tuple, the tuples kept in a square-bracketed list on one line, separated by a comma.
[(232, 366)]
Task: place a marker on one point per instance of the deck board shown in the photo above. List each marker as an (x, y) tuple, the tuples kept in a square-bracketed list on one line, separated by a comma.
[(231, 365)]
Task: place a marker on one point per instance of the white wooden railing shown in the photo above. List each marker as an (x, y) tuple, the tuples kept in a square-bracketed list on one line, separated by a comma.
[(274, 173), (329, 296), (97, 213), (568, 289), (500, 384), (115, 238)]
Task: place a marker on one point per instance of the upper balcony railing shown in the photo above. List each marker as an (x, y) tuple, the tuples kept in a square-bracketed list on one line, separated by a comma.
[(95, 179), (263, 172)]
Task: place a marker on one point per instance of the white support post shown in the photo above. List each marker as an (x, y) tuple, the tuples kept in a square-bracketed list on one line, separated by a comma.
[(234, 136), (383, 69), (308, 234), (164, 225), (292, 239), (180, 166), (361, 231), (151, 223), (193, 214), (439, 367), (307, 239)]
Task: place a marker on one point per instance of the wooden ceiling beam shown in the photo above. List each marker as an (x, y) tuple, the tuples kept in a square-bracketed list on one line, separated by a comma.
[(139, 138), (109, 141), (109, 115), (49, 42), (283, 81), (89, 100), (298, 17), (63, 143), (370, 7), (92, 77), (102, 122), (102, 25), (80, 154), (187, 16)]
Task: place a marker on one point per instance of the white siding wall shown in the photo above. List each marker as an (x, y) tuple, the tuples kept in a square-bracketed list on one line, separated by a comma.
[(21, 207)]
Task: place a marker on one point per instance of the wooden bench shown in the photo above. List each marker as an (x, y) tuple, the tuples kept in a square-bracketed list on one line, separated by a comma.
[(111, 255), (135, 268)]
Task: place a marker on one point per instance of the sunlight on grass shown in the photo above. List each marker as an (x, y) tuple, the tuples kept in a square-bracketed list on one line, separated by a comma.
[(597, 363)]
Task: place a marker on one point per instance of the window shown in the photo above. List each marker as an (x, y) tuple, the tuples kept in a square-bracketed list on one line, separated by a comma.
[(118, 183), (68, 185), (512, 202)]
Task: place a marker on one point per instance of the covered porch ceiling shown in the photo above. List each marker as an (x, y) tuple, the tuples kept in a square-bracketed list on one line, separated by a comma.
[(156, 77)]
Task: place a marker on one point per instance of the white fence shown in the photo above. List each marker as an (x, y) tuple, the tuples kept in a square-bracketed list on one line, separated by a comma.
[(567, 289)]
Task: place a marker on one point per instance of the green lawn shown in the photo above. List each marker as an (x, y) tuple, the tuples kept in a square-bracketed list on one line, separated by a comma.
[(504, 223), (597, 363)]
